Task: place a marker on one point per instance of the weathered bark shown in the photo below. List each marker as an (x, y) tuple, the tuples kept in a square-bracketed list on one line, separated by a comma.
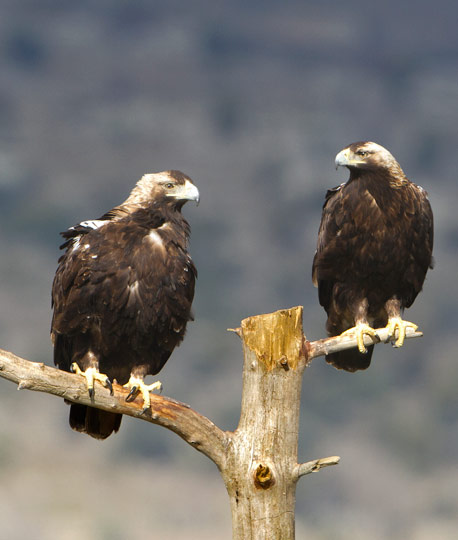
[(258, 461), (261, 464)]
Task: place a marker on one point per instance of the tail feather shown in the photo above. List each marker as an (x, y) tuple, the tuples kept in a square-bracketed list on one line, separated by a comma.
[(95, 422), (351, 359)]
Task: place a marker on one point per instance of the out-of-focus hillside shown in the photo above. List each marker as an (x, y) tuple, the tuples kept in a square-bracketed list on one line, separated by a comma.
[(253, 101)]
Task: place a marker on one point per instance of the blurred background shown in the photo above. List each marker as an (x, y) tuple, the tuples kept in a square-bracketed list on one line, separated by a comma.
[(252, 100)]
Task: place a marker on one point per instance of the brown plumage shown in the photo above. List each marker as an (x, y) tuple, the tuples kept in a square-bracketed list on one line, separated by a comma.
[(123, 290), (374, 248)]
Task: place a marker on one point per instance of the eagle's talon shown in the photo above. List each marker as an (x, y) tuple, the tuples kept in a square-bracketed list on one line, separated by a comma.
[(132, 394), (91, 375), (109, 385), (74, 368), (359, 331), (399, 325), (137, 385)]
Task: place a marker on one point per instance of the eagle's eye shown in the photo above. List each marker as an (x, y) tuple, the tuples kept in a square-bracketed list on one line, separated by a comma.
[(362, 153), (169, 185)]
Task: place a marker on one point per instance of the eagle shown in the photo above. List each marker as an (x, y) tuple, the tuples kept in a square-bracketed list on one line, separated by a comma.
[(122, 294), (374, 248)]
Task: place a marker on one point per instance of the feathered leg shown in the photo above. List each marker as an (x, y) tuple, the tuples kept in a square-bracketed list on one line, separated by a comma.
[(351, 359), (362, 327), (396, 323)]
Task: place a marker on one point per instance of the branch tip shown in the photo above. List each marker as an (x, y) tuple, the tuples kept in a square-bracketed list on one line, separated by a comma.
[(314, 466), (237, 331)]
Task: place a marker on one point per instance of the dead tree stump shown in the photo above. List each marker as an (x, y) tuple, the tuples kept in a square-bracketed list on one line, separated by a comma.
[(258, 461)]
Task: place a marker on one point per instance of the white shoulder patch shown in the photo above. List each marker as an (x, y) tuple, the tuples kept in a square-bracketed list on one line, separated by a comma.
[(90, 224), (93, 223), (133, 288), (155, 238), (76, 242)]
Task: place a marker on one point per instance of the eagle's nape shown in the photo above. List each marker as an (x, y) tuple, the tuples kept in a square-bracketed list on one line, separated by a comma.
[(91, 375), (137, 385)]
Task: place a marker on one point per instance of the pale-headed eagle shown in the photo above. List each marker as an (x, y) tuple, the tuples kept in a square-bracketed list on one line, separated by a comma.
[(374, 248), (122, 293)]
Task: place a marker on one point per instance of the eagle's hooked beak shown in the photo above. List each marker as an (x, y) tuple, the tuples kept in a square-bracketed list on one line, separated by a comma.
[(187, 192), (347, 158), (343, 158)]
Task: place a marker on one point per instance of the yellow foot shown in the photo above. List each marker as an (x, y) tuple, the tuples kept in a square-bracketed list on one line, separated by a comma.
[(359, 331), (92, 374), (136, 385), (396, 323)]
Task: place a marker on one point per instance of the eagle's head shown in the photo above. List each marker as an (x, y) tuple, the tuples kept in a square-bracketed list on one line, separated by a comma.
[(170, 187), (365, 156)]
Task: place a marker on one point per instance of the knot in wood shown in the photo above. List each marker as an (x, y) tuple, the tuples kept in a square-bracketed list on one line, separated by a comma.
[(263, 477), (284, 363)]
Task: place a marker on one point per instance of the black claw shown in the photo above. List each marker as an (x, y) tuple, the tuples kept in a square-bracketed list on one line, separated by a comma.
[(109, 385), (72, 369), (133, 392), (91, 392), (145, 410)]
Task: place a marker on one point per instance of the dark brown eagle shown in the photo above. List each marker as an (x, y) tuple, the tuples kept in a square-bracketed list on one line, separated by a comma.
[(374, 248), (122, 293)]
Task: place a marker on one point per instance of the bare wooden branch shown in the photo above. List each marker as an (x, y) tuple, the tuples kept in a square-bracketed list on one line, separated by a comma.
[(330, 345), (195, 429), (317, 464)]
